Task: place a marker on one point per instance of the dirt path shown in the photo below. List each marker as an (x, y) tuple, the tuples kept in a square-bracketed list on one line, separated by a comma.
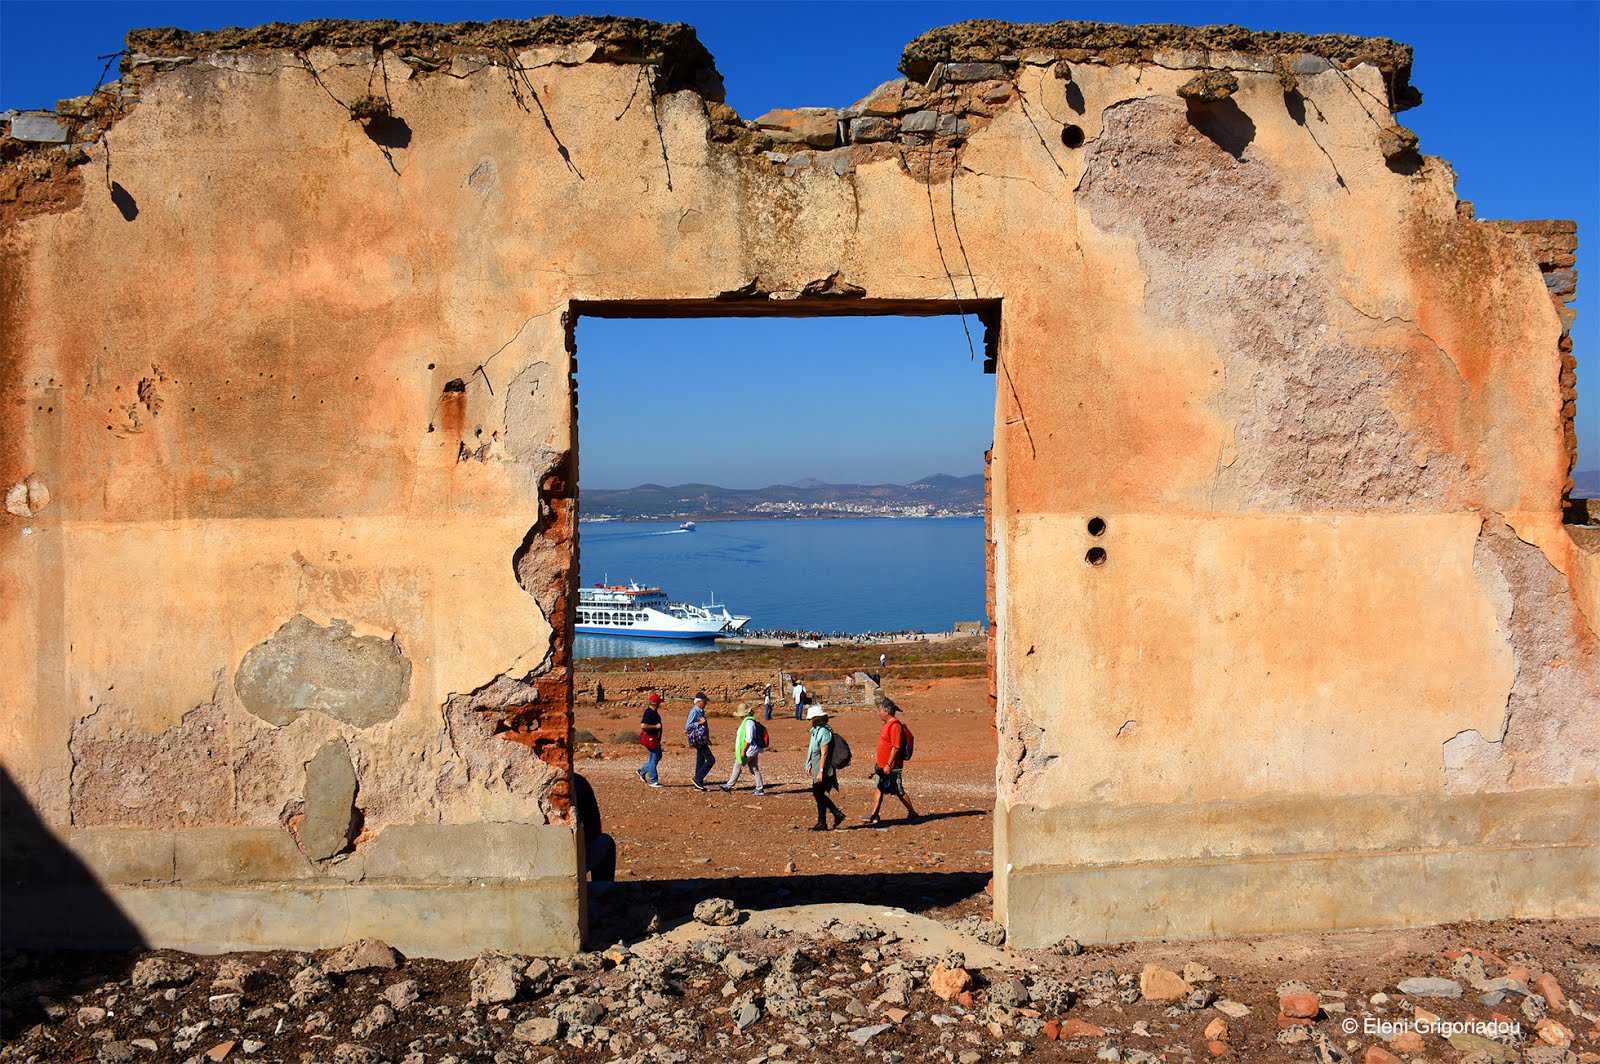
[(676, 832)]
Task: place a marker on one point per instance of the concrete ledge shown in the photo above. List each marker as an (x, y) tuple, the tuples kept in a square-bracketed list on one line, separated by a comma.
[(1298, 893), (1068, 838), (471, 851), (451, 922)]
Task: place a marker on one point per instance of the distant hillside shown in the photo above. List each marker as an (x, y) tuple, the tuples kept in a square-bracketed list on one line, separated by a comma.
[(939, 495), (1588, 483)]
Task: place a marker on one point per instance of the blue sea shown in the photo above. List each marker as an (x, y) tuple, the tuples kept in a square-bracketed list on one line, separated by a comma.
[(846, 575)]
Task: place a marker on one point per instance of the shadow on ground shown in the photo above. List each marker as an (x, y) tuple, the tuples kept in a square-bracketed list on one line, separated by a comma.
[(630, 910)]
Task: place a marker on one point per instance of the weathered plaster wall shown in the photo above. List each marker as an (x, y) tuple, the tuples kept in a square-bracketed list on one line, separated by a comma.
[(300, 398)]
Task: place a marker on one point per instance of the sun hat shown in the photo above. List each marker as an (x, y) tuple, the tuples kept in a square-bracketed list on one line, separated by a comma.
[(745, 710), (816, 711), (654, 699), (701, 695)]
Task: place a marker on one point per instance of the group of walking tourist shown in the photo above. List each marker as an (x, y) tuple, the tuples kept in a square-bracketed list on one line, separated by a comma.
[(827, 753)]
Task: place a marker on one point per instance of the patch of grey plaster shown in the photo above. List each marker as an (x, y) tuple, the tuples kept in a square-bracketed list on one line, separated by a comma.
[(1229, 256), (360, 680), (329, 808), (1550, 735)]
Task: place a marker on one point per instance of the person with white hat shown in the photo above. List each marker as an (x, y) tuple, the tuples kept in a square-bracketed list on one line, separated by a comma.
[(819, 766)]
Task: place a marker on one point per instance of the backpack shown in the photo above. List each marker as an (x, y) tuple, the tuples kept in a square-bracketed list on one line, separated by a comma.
[(839, 758), (759, 735), (908, 742)]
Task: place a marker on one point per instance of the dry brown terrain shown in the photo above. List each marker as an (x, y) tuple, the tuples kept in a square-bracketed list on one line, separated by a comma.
[(676, 832)]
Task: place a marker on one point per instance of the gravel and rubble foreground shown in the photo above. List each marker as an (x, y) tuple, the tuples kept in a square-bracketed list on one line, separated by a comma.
[(832, 982)]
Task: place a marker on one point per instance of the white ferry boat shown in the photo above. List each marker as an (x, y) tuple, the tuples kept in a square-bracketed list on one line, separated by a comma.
[(647, 613)]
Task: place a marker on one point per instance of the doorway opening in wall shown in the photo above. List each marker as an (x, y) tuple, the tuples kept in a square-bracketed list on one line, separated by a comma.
[(796, 493)]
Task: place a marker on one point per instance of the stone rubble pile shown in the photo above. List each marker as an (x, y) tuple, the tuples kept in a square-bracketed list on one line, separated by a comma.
[(733, 994)]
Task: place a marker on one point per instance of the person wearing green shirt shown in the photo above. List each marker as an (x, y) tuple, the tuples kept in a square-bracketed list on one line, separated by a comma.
[(746, 750)]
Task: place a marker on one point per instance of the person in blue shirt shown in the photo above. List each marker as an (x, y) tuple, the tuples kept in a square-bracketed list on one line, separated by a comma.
[(697, 729), (819, 766)]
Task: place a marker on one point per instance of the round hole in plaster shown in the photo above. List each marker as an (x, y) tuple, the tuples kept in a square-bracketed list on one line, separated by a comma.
[(1097, 526), (1096, 556), (1072, 136)]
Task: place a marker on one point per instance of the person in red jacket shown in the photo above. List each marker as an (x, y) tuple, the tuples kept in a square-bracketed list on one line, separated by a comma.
[(890, 762)]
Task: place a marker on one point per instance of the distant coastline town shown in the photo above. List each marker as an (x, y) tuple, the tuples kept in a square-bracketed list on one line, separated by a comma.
[(939, 495)]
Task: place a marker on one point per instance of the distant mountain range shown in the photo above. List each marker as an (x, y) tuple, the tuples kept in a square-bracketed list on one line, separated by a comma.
[(1588, 483), (939, 495)]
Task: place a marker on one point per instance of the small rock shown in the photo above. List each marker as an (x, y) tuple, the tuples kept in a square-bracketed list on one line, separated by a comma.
[(896, 1015), (739, 967), (969, 72), (1008, 993), (1232, 1009), (117, 1053), (1430, 987), (1194, 972), (91, 1015), (1551, 991), (1290, 1035), (1396, 142), (1376, 1055), (949, 983), (365, 955), (920, 122), (537, 1030), (1209, 86), (350, 1053), (1300, 1006), (495, 977), (748, 1013), (1408, 1042), (251, 1046), (220, 1051), (717, 912), (1068, 947), (380, 1017), (1217, 1030), (235, 976), (154, 973), (1160, 984), (863, 1035), (401, 995), (866, 131), (311, 982), (1077, 1030)]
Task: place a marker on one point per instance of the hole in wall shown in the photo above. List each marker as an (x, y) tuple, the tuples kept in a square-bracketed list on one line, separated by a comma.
[(1096, 556), (1072, 136), (457, 385), (1097, 526), (756, 397)]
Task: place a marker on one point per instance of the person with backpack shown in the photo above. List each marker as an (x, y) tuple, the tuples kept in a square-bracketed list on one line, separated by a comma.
[(823, 764), (749, 739), (697, 730), (895, 746), (800, 698)]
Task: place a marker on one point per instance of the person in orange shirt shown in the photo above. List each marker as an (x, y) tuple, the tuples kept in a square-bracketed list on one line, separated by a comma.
[(892, 742)]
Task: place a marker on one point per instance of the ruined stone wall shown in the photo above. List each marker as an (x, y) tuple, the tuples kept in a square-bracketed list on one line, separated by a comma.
[(1286, 622)]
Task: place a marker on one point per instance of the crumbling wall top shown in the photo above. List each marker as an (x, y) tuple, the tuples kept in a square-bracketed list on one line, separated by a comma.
[(673, 47), (989, 40)]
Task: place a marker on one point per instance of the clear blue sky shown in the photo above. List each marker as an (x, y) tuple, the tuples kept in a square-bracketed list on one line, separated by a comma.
[(1512, 101)]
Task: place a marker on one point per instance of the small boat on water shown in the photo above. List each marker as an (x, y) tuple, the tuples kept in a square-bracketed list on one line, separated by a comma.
[(647, 613), (687, 526)]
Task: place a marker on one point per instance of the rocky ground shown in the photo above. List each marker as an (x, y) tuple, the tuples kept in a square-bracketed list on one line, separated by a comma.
[(824, 982)]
